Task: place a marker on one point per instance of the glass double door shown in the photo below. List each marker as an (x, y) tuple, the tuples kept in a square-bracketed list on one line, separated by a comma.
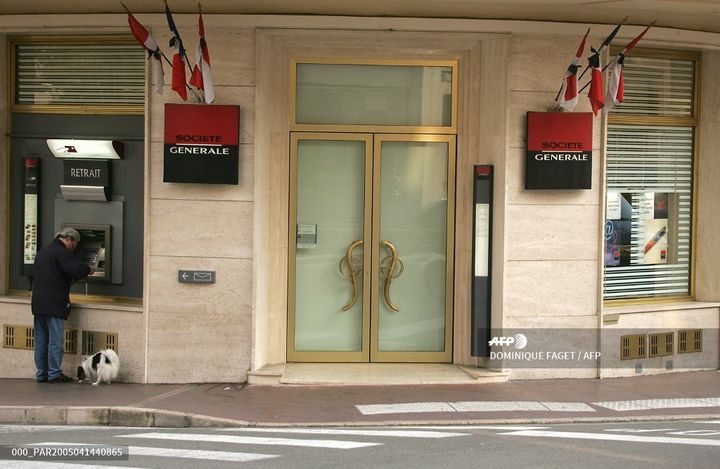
[(371, 242)]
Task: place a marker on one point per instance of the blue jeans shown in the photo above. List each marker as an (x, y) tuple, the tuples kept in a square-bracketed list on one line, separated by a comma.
[(49, 346)]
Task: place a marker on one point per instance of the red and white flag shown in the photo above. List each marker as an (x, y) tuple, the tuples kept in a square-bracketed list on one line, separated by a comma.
[(615, 90), (568, 96), (143, 36), (178, 62), (596, 85), (201, 76)]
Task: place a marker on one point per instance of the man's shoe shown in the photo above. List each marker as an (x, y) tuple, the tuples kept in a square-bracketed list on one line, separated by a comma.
[(41, 380), (61, 378)]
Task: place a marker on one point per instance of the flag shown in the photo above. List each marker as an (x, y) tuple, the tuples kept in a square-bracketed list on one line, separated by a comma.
[(143, 36), (201, 77), (568, 96), (596, 86), (178, 61), (614, 94)]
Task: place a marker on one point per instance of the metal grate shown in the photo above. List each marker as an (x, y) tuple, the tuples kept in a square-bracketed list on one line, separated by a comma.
[(71, 340), (18, 337), (690, 340), (633, 346), (94, 341), (661, 344)]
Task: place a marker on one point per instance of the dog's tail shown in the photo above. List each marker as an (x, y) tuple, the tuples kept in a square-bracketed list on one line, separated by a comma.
[(112, 360)]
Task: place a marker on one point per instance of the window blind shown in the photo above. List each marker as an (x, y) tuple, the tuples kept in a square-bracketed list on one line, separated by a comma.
[(652, 159), (657, 87), (79, 74)]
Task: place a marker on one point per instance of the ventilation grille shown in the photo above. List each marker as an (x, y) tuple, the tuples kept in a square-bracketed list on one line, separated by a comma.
[(18, 337), (661, 344), (94, 341), (23, 338), (633, 346), (71, 341), (690, 340)]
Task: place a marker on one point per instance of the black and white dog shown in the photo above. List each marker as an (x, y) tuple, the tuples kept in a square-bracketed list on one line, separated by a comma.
[(102, 367)]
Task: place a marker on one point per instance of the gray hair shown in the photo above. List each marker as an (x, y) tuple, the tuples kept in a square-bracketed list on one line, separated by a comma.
[(68, 232)]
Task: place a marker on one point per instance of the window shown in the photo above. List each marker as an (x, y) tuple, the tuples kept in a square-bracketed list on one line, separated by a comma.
[(649, 179), (77, 88), (89, 72)]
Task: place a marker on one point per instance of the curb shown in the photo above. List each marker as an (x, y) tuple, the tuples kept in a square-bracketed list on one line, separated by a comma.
[(110, 416), (142, 417)]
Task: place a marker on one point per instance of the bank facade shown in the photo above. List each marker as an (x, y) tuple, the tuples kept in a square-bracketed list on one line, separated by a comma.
[(351, 235)]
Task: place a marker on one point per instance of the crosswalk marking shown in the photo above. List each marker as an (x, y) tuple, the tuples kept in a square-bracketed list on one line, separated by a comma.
[(610, 437), (57, 465), (251, 440), (329, 431), (472, 406), (180, 453), (639, 430), (648, 404)]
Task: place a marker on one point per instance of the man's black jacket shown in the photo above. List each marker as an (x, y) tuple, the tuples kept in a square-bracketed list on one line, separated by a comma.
[(55, 271)]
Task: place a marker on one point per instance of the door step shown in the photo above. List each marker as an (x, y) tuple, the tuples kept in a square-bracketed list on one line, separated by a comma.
[(334, 374)]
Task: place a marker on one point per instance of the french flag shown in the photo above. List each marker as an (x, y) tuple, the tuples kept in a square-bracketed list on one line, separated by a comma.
[(143, 37), (201, 77), (616, 84), (568, 97), (178, 62), (596, 83)]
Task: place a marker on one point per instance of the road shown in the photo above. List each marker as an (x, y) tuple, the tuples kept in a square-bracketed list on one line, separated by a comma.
[(685, 444)]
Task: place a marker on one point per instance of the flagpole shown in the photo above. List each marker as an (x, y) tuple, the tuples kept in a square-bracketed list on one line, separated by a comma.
[(563, 83), (187, 61), (616, 57), (605, 43)]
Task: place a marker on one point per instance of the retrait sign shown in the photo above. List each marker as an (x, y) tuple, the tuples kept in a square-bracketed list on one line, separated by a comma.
[(559, 150), (201, 144)]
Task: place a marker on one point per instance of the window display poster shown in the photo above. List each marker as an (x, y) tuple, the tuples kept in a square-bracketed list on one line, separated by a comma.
[(655, 238), (617, 243), (612, 209)]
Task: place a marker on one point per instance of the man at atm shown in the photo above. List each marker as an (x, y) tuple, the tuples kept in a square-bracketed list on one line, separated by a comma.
[(56, 269)]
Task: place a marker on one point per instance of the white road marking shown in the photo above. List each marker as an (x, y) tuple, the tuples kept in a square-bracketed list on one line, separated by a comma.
[(606, 437), (179, 453), (57, 465), (251, 440), (473, 406), (639, 430), (408, 408), (716, 422), (648, 404), (482, 427), (329, 431)]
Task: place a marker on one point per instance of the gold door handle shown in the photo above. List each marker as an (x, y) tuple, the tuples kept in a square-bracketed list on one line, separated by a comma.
[(354, 266), (387, 267)]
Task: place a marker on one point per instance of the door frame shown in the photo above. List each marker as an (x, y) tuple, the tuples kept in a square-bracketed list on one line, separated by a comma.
[(371, 233), (421, 357), (362, 355)]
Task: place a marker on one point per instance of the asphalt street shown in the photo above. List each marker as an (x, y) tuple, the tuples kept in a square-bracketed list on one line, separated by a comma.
[(686, 444)]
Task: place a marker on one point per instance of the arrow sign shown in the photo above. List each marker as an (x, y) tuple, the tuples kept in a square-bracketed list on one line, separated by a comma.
[(196, 276)]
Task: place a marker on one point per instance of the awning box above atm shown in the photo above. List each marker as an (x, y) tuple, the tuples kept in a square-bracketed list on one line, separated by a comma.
[(86, 149), (86, 180)]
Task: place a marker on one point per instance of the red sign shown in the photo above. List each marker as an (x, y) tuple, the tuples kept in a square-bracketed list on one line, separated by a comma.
[(201, 143), (559, 150)]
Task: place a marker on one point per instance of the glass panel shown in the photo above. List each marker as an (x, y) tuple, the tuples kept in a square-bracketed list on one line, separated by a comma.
[(413, 218), (374, 95), (330, 202)]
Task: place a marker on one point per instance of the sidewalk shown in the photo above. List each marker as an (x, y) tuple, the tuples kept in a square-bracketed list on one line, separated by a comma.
[(667, 396)]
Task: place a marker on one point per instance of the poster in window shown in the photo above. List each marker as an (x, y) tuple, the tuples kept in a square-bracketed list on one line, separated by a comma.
[(617, 243), (655, 239)]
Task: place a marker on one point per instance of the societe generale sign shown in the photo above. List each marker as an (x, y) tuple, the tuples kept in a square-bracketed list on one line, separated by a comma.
[(201, 144)]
